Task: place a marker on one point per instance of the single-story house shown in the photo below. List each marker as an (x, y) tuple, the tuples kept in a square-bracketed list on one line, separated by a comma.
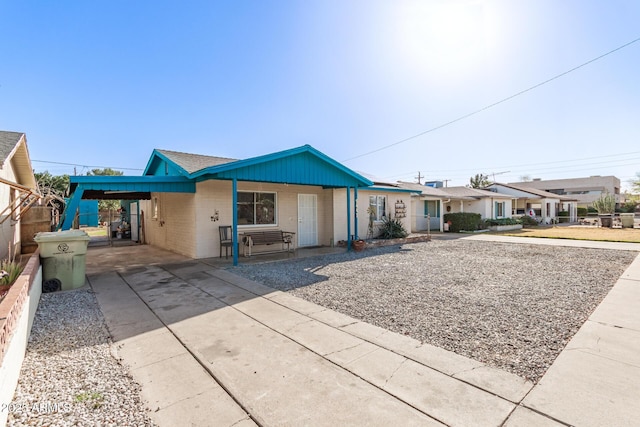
[(433, 203), (539, 204), (18, 190), (488, 204), (427, 206), (185, 198)]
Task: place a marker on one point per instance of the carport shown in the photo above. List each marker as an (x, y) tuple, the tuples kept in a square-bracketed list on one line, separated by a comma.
[(100, 187)]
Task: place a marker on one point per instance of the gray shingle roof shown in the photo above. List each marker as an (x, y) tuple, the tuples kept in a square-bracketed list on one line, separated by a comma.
[(194, 162), (8, 141), (423, 189), (476, 193)]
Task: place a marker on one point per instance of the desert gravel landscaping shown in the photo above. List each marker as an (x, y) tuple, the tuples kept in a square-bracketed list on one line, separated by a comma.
[(511, 306), (69, 376)]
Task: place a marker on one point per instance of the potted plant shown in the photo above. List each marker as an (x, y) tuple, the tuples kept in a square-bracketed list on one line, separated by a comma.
[(606, 206), (358, 245)]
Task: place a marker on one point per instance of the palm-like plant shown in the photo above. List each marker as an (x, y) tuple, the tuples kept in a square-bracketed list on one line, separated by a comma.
[(606, 204)]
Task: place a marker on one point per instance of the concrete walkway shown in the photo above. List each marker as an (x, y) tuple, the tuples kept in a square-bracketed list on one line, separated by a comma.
[(211, 348)]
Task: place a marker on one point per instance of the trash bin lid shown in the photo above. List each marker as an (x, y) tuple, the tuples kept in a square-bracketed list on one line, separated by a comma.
[(57, 236)]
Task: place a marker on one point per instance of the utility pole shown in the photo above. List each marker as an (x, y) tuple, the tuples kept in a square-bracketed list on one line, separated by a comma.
[(419, 178), (445, 182)]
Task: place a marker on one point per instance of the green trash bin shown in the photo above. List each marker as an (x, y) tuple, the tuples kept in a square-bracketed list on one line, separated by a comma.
[(63, 256)]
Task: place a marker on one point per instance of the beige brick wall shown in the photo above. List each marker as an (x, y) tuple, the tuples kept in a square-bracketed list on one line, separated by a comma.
[(185, 225), (340, 211), (214, 199), (174, 228)]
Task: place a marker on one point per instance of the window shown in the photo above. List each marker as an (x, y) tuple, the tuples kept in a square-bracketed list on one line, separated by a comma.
[(256, 208), (377, 207), (500, 209), (432, 207), (154, 208)]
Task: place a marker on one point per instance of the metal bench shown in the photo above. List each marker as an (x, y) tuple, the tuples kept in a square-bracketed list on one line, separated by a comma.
[(267, 237)]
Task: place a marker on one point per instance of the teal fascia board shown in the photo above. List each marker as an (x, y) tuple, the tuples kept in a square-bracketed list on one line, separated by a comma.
[(168, 184), (303, 165)]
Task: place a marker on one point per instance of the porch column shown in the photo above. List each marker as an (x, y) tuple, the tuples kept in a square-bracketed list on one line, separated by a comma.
[(348, 219), (461, 205), (355, 211), (234, 210), (441, 219)]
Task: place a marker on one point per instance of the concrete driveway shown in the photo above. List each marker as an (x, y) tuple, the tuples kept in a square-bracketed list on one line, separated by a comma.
[(211, 348)]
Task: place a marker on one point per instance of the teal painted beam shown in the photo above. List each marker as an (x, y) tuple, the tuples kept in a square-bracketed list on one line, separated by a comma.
[(159, 184), (71, 208)]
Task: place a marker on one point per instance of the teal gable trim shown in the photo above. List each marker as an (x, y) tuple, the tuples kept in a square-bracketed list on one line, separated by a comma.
[(160, 165), (303, 165)]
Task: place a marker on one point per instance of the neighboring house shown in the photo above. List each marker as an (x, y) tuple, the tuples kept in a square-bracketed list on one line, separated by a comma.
[(584, 190), (488, 204), (427, 206), (18, 189), (184, 198), (434, 202), (542, 205)]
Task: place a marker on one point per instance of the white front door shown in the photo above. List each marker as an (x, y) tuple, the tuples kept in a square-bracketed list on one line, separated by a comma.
[(307, 219)]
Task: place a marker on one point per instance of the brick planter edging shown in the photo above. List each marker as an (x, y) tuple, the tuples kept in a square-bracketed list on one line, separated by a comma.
[(13, 303), (376, 243)]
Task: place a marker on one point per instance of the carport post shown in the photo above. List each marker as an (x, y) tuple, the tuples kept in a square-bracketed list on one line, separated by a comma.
[(348, 219), (234, 209), (355, 211)]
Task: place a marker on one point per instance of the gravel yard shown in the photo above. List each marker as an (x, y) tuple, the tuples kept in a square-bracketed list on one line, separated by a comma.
[(69, 376), (512, 306)]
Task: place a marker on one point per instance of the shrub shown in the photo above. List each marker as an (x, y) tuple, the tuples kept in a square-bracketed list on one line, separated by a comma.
[(527, 221), (501, 221), (563, 216), (466, 221), (392, 228), (10, 272), (583, 211)]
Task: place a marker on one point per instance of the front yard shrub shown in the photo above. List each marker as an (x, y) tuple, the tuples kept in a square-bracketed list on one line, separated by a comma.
[(466, 221), (583, 212), (527, 221), (392, 228), (500, 221), (563, 216)]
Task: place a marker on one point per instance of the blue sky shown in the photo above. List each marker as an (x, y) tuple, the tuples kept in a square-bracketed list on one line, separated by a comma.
[(103, 83)]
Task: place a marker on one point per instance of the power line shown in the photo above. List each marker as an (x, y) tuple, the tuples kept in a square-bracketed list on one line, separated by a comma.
[(495, 103), (86, 166), (526, 165)]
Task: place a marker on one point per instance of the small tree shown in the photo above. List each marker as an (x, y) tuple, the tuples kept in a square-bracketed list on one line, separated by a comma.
[(606, 204), (479, 181), (53, 188)]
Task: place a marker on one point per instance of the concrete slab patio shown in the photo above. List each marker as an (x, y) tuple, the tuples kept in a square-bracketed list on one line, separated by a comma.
[(211, 348)]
